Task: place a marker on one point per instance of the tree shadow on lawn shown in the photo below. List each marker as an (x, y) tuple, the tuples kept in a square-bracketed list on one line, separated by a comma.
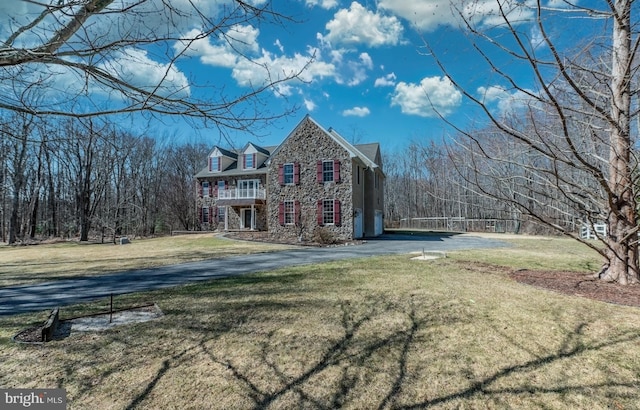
[(339, 374)]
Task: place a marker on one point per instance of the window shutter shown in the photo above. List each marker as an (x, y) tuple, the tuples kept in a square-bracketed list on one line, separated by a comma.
[(319, 171), (296, 173), (219, 163), (214, 218), (320, 218), (336, 170), (200, 214), (281, 174), (210, 160), (281, 213), (244, 161), (200, 189), (336, 212), (296, 212), (254, 155)]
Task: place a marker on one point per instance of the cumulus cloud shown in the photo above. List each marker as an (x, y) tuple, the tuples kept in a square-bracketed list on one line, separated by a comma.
[(433, 96), (309, 105), (136, 68), (388, 80), (356, 112), (429, 15), (506, 102), (357, 25), (325, 4)]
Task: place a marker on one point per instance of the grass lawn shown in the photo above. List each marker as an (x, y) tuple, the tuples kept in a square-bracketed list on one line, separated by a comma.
[(32, 264), (378, 333)]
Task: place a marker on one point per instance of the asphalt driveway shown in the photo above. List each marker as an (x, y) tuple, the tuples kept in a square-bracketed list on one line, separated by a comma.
[(47, 295)]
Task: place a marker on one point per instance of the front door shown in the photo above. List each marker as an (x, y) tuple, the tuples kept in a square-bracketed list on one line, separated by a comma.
[(247, 218)]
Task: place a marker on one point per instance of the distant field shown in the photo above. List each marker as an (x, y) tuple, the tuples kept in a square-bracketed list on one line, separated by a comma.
[(380, 333), (38, 263)]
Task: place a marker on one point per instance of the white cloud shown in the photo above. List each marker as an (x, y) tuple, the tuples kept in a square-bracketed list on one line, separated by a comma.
[(356, 112), (388, 80), (357, 25), (136, 68), (432, 97), (309, 105), (429, 15), (325, 4), (507, 102)]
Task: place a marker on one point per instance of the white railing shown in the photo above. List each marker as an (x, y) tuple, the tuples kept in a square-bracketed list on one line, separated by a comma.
[(251, 193)]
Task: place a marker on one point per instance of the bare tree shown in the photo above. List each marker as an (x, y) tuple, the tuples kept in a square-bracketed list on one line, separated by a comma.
[(570, 133), (100, 57)]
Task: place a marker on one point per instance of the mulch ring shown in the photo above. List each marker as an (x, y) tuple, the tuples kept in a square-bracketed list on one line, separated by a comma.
[(580, 284)]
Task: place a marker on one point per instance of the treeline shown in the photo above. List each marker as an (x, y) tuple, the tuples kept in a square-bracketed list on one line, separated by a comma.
[(87, 178), (456, 181)]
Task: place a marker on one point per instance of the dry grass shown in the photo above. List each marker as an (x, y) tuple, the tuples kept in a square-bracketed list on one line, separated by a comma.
[(362, 334), (38, 263)]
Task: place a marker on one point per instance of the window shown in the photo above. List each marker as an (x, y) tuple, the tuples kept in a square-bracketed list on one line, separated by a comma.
[(205, 188), (327, 212), (214, 164), (221, 213), (327, 171), (288, 174), (289, 212), (249, 161), (222, 185), (205, 215)]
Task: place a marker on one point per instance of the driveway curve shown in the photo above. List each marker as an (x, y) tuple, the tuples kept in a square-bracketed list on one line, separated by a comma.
[(47, 295)]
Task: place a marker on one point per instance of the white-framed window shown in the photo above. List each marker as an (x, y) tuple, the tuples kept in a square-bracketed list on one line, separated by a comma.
[(327, 171), (289, 213), (214, 164), (288, 173), (327, 212), (205, 215), (222, 211), (205, 188), (249, 161)]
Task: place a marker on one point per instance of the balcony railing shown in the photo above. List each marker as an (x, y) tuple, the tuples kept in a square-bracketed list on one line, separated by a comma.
[(237, 193)]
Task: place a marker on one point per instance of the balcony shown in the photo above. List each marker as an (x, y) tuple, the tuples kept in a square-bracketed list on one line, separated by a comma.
[(241, 196)]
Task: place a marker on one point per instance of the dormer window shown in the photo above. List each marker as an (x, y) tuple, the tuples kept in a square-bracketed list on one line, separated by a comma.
[(249, 161), (215, 164)]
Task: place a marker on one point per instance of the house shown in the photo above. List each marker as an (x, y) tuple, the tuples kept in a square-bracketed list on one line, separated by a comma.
[(313, 183)]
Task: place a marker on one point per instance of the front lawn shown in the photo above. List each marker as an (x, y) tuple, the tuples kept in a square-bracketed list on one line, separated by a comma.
[(387, 332)]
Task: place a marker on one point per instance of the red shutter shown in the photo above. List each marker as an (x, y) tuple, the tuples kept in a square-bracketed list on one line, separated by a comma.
[(199, 188), (214, 218), (296, 173), (319, 171), (320, 219), (200, 214), (219, 163), (254, 155), (296, 212), (281, 213), (210, 164), (244, 161), (281, 174), (336, 170), (336, 213)]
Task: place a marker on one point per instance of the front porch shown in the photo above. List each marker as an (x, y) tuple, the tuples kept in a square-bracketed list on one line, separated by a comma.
[(243, 216)]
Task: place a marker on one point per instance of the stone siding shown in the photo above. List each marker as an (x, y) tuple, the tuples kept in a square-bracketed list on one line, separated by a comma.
[(307, 145)]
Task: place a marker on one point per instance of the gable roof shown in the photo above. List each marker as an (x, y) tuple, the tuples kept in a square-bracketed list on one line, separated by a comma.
[(368, 160)]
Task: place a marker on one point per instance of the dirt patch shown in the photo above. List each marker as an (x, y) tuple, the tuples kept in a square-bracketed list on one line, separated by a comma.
[(580, 284), (93, 323)]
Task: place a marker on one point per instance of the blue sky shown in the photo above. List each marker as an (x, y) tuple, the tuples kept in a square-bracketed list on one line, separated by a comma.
[(371, 77)]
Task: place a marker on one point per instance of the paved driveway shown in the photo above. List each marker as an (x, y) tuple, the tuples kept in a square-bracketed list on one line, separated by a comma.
[(47, 295)]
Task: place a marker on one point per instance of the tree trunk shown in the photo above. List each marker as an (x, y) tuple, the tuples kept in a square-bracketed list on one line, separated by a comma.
[(622, 250)]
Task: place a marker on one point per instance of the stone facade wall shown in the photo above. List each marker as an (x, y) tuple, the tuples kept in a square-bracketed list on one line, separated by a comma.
[(307, 145)]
